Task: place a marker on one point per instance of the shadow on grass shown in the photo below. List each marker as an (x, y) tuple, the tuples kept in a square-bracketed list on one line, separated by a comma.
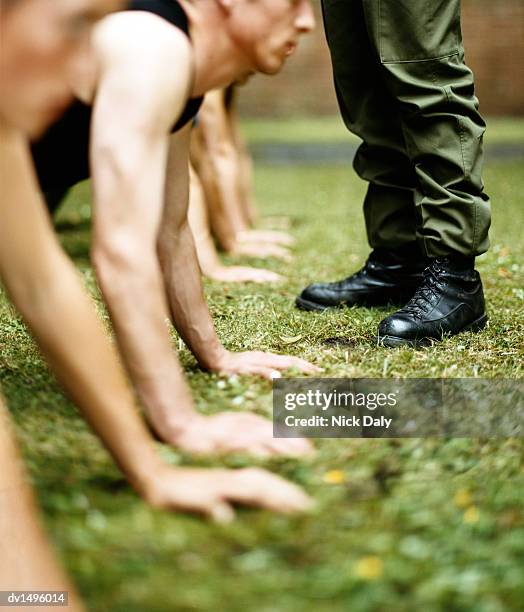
[(68, 225)]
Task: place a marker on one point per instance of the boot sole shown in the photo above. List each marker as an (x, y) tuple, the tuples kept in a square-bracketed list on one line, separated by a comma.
[(395, 341), (312, 306), (315, 306)]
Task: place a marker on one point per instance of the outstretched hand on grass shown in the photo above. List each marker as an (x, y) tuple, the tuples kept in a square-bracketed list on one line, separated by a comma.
[(271, 236), (243, 274), (261, 250), (212, 492), (233, 432), (267, 365)]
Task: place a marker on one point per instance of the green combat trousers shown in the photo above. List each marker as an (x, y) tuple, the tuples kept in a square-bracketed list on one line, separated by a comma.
[(403, 87)]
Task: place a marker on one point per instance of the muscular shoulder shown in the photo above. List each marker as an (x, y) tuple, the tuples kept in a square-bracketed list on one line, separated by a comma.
[(140, 34), (143, 55)]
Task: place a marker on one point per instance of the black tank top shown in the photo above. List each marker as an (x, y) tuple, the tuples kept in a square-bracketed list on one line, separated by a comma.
[(61, 156)]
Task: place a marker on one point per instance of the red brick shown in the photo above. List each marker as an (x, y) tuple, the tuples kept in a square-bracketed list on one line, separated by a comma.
[(493, 33)]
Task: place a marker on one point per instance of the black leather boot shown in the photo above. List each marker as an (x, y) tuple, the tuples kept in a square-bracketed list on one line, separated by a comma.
[(389, 276), (449, 300)]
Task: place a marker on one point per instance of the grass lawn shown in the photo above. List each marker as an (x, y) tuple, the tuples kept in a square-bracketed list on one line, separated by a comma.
[(420, 525), (331, 129)]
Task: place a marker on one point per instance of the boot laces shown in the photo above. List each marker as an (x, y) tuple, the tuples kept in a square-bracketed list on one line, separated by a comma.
[(428, 289), (358, 274)]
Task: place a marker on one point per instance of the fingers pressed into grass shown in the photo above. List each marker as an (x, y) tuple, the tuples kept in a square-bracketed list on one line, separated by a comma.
[(222, 513), (299, 447)]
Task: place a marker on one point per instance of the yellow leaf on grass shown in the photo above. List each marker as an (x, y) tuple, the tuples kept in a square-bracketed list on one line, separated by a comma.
[(335, 477), (369, 568), (504, 272), (472, 515), (462, 498), (291, 339)]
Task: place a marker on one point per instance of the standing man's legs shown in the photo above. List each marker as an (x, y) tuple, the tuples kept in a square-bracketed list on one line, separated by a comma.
[(419, 45), (404, 88), (422, 61), (369, 111), (418, 56)]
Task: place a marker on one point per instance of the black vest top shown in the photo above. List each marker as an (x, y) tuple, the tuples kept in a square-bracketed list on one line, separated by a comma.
[(61, 156)]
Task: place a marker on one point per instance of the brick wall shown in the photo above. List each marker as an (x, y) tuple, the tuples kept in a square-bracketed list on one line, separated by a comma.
[(494, 41), (493, 33)]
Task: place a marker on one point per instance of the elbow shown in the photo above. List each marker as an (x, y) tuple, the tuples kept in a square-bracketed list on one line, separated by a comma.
[(222, 152), (118, 258), (109, 266)]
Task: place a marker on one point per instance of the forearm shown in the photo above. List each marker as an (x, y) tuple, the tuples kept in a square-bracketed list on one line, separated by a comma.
[(73, 340), (199, 223), (225, 208), (247, 198), (189, 310), (220, 170), (133, 289), (245, 170), (44, 286), (223, 227), (178, 259)]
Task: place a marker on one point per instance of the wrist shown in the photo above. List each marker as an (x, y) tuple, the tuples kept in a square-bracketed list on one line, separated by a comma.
[(152, 489), (228, 242), (243, 234), (168, 418), (170, 427), (145, 473), (215, 358)]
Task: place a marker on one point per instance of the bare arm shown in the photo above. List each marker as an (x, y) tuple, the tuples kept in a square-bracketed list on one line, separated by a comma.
[(179, 261), (184, 285), (246, 189), (208, 259), (47, 291), (138, 100), (27, 561), (247, 199), (220, 170)]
